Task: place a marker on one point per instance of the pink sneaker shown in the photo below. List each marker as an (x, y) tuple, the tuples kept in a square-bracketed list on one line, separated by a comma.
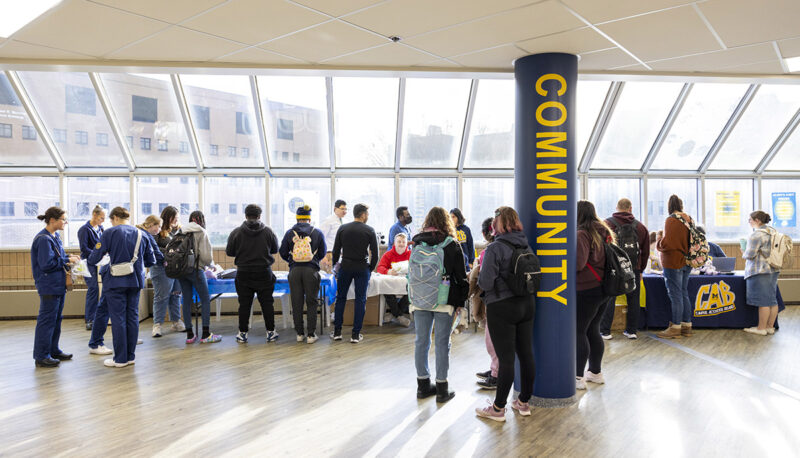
[(490, 413), (192, 340), (522, 407)]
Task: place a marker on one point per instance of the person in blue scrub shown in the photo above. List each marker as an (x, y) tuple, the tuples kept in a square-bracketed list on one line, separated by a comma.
[(50, 264), (122, 291), (88, 236)]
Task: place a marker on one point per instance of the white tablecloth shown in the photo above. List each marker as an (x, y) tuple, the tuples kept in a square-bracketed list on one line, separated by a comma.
[(383, 284)]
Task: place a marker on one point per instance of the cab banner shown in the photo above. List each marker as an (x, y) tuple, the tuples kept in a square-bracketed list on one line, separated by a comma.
[(713, 299), (784, 209)]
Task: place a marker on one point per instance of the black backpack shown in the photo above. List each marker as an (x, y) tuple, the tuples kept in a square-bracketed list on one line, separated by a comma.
[(525, 272), (628, 240), (179, 255), (619, 277)]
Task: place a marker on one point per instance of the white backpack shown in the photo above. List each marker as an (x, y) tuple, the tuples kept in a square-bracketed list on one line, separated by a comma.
[(780, 253)]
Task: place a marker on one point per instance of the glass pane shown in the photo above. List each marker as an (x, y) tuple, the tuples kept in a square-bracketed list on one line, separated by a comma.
[(788, 157), (22, 199), (658, 193), (591, 95), (377, 193), (704, 114), (433, 122), (604, 193), (421, 194), (365, 121), (295, 110), (71, 112), (728, 205), (83, 193), (491, 136), (224, 210), (287, 194), (156, 193), (19, 141), (148, 114), (224, 119), (779, 199), (482, 196), (766, 116), (638, 117)]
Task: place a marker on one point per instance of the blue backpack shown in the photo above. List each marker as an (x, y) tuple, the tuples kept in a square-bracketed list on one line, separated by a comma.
[(428, 283)]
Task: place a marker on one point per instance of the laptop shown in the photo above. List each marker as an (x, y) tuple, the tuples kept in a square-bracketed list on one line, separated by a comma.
[(724, 265)]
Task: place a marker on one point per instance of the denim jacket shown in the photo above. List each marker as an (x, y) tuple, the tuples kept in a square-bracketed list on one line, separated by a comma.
[(757, 252)]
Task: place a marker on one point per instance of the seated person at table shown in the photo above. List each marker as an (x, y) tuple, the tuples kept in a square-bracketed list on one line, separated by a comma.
[(714, 250), (252, 245), (303, 247), (389, 265)]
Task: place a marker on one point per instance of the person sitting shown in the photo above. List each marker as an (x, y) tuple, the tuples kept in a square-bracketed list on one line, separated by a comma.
[(387, 266), (714, 250)]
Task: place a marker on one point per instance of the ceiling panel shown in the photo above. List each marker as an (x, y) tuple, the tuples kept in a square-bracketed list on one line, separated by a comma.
[(715, 61), (595, 11), (87, 28), (535, 20), (742, 22), (258, 56), (769, 67), (501, 57), (172, 11), (177, 44), (443, 63), (604, 60), (406, 18), (337, 7), (325, 41), (388, 55), (255, 21), (671, 33), (19, 50), (575, 42), (790, 48)]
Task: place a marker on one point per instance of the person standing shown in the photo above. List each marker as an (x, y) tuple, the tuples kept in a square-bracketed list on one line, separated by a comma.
[(633, 237), (88, 236), (464, 237), (166, 291), (50, 266), (303, 247), (252, 245), (130, 251), (357, 245), (673, 244), (398, 253), (329, 227), (760, 277), (404, 220), (486, 379)]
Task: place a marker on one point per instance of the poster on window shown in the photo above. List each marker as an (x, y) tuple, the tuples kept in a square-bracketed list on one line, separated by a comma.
[(727, 209), (294, 199), (784, 209)]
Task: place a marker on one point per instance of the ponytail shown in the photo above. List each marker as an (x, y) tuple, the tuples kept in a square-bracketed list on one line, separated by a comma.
[(50, 214)]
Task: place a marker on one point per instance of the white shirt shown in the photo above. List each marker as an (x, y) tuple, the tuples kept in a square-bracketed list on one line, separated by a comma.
[(329, 227)]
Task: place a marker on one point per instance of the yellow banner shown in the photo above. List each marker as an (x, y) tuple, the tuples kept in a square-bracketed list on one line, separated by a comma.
[(727, 210)]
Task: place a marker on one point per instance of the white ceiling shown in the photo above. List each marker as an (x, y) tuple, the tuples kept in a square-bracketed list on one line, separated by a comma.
[(717, 36)]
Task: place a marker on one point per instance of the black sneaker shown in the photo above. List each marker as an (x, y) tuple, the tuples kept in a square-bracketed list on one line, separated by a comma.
[(336, 335), (490, 383), (484, 375), (356, 338)]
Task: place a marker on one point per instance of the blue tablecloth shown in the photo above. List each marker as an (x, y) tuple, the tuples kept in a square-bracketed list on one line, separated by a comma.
[(719, 302), (327, 285)]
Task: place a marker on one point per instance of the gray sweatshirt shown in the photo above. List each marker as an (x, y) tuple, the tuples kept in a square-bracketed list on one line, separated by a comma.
[(201, 244), (496, 266)]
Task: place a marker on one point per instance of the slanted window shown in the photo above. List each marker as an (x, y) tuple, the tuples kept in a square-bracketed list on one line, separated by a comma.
[(80, 100)]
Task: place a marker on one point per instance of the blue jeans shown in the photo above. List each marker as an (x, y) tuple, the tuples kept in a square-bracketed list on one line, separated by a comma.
[(100, 322), (361, 279), (677, 281), (48, 327), (123, 307), (440, 323), (196, 280), (91, 295), (166, 291)]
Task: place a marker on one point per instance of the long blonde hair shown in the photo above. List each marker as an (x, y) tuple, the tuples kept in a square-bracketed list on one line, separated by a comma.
[(150, 221)]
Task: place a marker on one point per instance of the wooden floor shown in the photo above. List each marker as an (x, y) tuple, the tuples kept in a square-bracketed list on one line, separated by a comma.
[(720, 393)]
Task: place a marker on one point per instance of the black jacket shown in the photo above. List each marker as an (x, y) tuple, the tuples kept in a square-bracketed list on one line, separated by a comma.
[(252, 245), (354, 243), (317, 245), (453, 266)]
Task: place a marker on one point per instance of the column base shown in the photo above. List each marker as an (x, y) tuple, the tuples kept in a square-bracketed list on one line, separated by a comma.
[(553, 403)]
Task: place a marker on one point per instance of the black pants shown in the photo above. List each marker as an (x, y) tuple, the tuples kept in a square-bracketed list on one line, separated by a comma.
[(511, 329), (632, 317), (396, 307), (249, 284), (304, 287), (589, 345)]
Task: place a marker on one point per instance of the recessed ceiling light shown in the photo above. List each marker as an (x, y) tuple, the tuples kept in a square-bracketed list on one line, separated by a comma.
[(793, 64), (17, 15)]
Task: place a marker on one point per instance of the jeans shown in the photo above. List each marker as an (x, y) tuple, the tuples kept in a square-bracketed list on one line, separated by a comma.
[(440, 323), (48, 327), (123, 307), (361, 279), (589, 345), (196, 280), (304, 288), (261, 284), (678, 291), (100, 323), (166, 291), (397, 308), (91, 294), (510, 323), (631, 318)]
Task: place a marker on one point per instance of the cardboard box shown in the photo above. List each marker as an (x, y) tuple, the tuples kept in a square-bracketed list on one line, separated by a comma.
[(370, 317)]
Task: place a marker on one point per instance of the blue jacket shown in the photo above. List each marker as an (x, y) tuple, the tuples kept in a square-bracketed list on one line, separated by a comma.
[(467, 245), (88, 238), (48, 261), (715, 251), (158, 254), (317, 245), (119, 242), (396, 229)]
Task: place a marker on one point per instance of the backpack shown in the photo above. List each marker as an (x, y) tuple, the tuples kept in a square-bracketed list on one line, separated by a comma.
[(179, 255), (698, 245), (524, 269), (628, 240), (780, 254), (428, 283), (619, 277), (301, 249)]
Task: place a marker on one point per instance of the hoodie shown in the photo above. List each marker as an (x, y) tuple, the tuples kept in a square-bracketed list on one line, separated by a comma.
[(202, 245), (390, 257), (453, 266), (252, 245), (318, 246), (623, 218), (496, 266), (590, 255)]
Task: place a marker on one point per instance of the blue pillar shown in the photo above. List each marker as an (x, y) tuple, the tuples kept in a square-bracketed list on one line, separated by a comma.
[(546, 194)]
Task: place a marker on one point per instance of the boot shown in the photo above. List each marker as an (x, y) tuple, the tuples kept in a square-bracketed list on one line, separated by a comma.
[(672, 332), (686, 329), (442, 393), (425, 388)]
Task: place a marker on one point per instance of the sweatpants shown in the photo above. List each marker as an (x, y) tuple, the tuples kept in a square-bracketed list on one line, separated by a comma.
[(304, 288), (261, 284)]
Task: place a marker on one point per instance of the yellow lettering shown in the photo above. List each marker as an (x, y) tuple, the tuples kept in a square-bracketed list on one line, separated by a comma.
[(547, 147), (540, 205), (551, 77), (547, 122), (551, 252), (728, 297), (547, 237), (555, 270), (554, 294), (714, 300), (698, 302), (554, 182)]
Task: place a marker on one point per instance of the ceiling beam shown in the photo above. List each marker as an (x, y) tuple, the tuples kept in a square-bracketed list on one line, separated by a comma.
[(462, 152), (187, 122), (102, 96), (600, 125), (398, 139), (667, 127), (729, 126), (776, 147), (262, 132)]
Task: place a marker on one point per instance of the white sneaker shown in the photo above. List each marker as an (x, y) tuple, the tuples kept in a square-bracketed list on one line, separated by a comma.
[(631, 335), (110, 363), (178, 326), (388, 317), (139, 341), (606, 336), (403, 321), (300, 337), (272, 336), (590, 376), (755, 330), (580, 383), (156, 330), (101, 350), (311, 338), (770, 331)]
